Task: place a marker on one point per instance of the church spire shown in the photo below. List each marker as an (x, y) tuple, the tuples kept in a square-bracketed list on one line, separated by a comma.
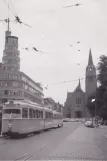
[(78, 88), (90, 60), (79, 85)]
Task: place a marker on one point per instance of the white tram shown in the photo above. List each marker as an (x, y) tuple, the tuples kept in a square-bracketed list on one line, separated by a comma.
[(21, 117)]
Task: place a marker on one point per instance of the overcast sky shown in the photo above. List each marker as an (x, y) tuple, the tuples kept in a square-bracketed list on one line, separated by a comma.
[(53, 30)]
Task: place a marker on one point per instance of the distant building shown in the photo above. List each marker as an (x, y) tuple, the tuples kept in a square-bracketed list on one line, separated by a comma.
[(75, 104), (51, 104), (15, 84)]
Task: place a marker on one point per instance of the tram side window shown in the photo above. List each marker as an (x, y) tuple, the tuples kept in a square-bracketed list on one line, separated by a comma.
[(14, 111), (25, 113), (30, 113), (49, 115), (41, 114), (34, 113), (46, 115), (7, 111), (37, 116)]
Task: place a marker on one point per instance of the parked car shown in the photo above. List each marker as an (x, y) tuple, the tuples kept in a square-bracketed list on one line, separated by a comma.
[(72, 120), (66, 120), (105, 122), (89, 124)]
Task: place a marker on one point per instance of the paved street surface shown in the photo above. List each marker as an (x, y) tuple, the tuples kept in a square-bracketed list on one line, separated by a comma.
[(73, 141), (40, 144)]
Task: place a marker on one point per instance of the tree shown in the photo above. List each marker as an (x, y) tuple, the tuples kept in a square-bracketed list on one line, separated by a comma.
[(102, 69), (101, 94)]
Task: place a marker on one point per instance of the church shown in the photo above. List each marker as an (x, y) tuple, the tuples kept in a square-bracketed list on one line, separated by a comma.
[(75, 104)]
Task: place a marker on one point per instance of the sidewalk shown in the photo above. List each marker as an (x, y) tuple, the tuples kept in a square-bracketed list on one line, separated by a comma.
[(103, 130), (83, 144), (1, 136)]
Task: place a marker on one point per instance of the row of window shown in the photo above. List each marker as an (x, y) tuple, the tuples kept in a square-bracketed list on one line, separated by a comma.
[(35, 114), (78, 100), (12, 41), (11, 93), (11, 61), (12, 68), (30, 83), (10, 84), (16, 93), (18, 77), (10, 76), (11, 54), (14, 111), (58, 116), (18, 84), (32, 113), (10, 47)]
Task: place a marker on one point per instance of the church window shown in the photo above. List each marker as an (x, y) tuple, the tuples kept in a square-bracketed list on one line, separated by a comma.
[(78, 100)]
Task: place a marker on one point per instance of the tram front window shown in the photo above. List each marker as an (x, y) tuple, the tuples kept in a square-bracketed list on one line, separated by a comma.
[(14, 111)]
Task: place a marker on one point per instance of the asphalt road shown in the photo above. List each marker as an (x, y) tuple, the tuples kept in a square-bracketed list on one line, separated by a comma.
[(36, 146)]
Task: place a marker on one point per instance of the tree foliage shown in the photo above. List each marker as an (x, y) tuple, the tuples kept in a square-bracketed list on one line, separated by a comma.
[(101, 93), (102, 70)]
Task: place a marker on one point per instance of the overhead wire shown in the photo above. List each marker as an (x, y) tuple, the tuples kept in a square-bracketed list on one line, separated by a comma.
[(9, 7), (77, 79), (13, 7), (17, 19)]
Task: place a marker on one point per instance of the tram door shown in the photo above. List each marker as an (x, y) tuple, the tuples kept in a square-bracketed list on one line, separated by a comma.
[(0, 122)]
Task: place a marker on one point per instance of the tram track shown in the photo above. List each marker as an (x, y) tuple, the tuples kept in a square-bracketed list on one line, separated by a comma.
[(30, 155)]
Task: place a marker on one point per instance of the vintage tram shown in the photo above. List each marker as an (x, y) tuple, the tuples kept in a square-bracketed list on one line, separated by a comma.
[(22, 117)]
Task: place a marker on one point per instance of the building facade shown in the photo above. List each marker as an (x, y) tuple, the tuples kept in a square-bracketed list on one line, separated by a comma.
[(15, 84), (75, 104), (51, 104)]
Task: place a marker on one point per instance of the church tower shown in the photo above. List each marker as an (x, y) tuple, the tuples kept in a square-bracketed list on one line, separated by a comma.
[(90, 80)]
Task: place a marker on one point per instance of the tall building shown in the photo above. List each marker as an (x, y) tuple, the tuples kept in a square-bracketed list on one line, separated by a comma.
[(15, 84), (75, 104)]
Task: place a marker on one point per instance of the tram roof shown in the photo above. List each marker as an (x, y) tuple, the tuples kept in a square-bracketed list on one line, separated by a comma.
[(23, 102), (26, 102)]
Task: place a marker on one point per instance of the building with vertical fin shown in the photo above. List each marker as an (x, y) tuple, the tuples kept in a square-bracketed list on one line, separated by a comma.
[(15, 84), (75, 104)]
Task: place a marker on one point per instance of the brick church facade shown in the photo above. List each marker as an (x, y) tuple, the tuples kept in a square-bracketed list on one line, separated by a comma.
[(75, 104)]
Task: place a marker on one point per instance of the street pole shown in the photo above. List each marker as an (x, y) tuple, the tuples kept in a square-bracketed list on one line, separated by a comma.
[(95, 106)]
